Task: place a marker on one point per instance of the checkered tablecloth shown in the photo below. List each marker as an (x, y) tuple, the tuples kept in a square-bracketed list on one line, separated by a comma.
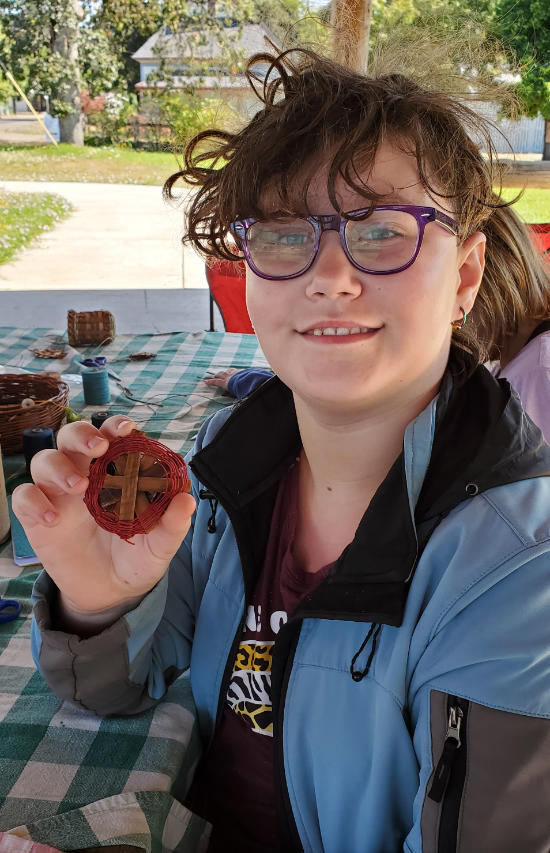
[(69, 779)]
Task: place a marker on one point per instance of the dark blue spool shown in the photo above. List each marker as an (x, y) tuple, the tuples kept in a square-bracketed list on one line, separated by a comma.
[(35, 439)]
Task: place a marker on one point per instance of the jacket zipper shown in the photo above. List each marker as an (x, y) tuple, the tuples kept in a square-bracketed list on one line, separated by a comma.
[(450, 774), (289, 829), (290, 838)]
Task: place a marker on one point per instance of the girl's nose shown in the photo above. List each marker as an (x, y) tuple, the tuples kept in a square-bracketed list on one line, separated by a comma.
[(332, 274)]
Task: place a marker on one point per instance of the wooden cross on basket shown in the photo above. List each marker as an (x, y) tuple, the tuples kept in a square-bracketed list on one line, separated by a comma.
[(138, 478), (131, 486)]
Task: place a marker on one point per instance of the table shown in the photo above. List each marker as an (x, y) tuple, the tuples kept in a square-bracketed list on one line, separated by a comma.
[(68, 778)]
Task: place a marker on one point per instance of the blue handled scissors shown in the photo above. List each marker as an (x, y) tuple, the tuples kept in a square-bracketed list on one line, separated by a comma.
[(13, 608), (98, 361)]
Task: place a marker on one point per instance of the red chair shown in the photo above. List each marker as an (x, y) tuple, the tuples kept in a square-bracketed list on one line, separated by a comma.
[(540, 235), (226, 280)]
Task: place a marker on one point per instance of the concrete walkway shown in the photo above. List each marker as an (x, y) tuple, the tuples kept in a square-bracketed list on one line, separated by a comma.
[(119, 237)]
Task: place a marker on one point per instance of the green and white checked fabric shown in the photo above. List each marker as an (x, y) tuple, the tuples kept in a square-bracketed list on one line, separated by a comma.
[(73, 780), (68, 778), (173, 377)]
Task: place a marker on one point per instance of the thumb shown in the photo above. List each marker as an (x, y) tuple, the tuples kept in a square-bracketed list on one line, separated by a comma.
[(165, 539)]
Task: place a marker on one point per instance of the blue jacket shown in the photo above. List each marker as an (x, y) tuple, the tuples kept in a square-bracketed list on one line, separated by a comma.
[(411, 689)]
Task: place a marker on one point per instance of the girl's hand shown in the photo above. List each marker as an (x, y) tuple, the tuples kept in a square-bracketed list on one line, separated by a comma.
[(93, 569), (221, 378)]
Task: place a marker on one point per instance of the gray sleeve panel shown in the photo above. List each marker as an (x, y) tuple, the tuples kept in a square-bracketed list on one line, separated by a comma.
[(506, 797), (93, 672), (431, 811)]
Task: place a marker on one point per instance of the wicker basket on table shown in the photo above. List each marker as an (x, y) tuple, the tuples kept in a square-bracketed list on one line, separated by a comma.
[(90, 327), (50, 396)]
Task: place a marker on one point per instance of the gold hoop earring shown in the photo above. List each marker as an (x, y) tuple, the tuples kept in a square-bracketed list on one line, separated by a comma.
[(459, 324)]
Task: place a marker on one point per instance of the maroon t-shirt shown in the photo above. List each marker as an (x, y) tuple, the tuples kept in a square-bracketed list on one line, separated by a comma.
[(234, 788)]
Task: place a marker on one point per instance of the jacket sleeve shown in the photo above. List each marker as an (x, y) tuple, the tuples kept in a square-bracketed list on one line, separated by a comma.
[(480, 715), (247, 380), (127, 667)]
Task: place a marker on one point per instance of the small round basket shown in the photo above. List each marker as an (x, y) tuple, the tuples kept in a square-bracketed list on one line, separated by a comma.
[(50, 396)]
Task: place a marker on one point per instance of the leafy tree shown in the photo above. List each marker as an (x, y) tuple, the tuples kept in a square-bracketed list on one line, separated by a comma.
[(6, 89), (524, 25), (51, 51)]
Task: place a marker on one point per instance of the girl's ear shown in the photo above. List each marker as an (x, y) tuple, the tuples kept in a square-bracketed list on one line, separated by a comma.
[(471, 263)]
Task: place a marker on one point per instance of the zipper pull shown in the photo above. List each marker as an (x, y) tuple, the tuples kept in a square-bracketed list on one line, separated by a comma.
[(450, 747), (205, 494)]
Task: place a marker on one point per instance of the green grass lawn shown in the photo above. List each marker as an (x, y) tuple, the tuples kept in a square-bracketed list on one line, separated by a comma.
[(86, 164), (533, 206), (125, 166), (24, 216)]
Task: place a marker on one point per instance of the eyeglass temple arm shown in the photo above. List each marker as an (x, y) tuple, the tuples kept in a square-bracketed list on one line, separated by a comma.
[(446, 222)]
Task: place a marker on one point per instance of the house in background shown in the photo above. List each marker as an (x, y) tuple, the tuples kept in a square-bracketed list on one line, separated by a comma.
[(208, 61)]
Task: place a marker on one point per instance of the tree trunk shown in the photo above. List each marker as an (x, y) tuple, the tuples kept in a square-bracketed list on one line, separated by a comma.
[(546, 149), (71, 126), (350, 20)]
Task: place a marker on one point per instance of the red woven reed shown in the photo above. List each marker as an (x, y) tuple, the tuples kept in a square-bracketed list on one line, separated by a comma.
[(177, 480)]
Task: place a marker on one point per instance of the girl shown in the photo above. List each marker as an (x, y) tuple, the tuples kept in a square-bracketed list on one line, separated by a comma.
[(361, 593), (514, 313)]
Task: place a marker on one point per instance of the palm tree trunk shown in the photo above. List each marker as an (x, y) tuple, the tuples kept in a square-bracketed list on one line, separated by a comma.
[(350, 20), (71, 126)]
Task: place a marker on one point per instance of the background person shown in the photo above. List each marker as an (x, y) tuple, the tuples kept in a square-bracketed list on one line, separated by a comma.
[(513, 312)]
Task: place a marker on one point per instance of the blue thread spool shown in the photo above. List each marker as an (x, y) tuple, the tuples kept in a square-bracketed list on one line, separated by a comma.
[(95, 383), (35, 439)]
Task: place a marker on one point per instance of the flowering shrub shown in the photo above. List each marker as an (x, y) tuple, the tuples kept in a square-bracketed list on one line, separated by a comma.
[(91, 105)]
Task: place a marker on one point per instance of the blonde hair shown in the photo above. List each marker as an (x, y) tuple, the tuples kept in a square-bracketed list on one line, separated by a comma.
[(515, 284)]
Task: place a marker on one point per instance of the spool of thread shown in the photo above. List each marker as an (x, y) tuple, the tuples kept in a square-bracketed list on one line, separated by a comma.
[(95, 382), (4, 513), (99, 418), (35, 439)]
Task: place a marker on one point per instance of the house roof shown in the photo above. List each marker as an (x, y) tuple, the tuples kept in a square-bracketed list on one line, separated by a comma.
[(197, 43)]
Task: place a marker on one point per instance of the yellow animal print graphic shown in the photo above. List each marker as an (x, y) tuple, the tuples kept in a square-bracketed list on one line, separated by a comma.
[(249, 693), (260, 719), (254, 656)]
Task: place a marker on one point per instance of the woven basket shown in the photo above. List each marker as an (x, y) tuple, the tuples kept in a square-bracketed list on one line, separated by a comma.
[(50, 394), (90, 327)]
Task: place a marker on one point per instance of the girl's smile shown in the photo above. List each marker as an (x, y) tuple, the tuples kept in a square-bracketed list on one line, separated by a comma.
[(349, 340), (339, 333)]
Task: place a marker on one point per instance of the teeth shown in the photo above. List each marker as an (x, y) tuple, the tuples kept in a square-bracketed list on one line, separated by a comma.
[(341, 330)]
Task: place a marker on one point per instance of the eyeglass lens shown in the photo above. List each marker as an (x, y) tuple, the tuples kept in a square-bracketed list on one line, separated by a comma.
[(386, 240)]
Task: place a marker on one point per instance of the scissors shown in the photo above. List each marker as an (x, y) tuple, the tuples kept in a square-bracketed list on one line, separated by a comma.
[(13, 608), (98, 361)]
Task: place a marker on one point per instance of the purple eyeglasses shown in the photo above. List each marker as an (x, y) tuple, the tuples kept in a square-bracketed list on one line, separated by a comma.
[(380, 240)]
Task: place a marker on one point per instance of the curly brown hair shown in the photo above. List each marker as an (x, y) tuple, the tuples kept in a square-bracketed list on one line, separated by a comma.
[(317, 111)]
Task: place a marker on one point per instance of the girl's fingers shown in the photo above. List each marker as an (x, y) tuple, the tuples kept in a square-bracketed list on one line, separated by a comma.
[(165, 539), (81, 442), (117, 426), (32, 507), (56, 474)]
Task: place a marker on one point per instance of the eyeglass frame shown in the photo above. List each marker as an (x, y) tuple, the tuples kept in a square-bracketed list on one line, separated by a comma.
[(336, 222)]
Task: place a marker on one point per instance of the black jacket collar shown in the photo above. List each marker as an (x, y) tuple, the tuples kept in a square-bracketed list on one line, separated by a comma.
[(482, 439)]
